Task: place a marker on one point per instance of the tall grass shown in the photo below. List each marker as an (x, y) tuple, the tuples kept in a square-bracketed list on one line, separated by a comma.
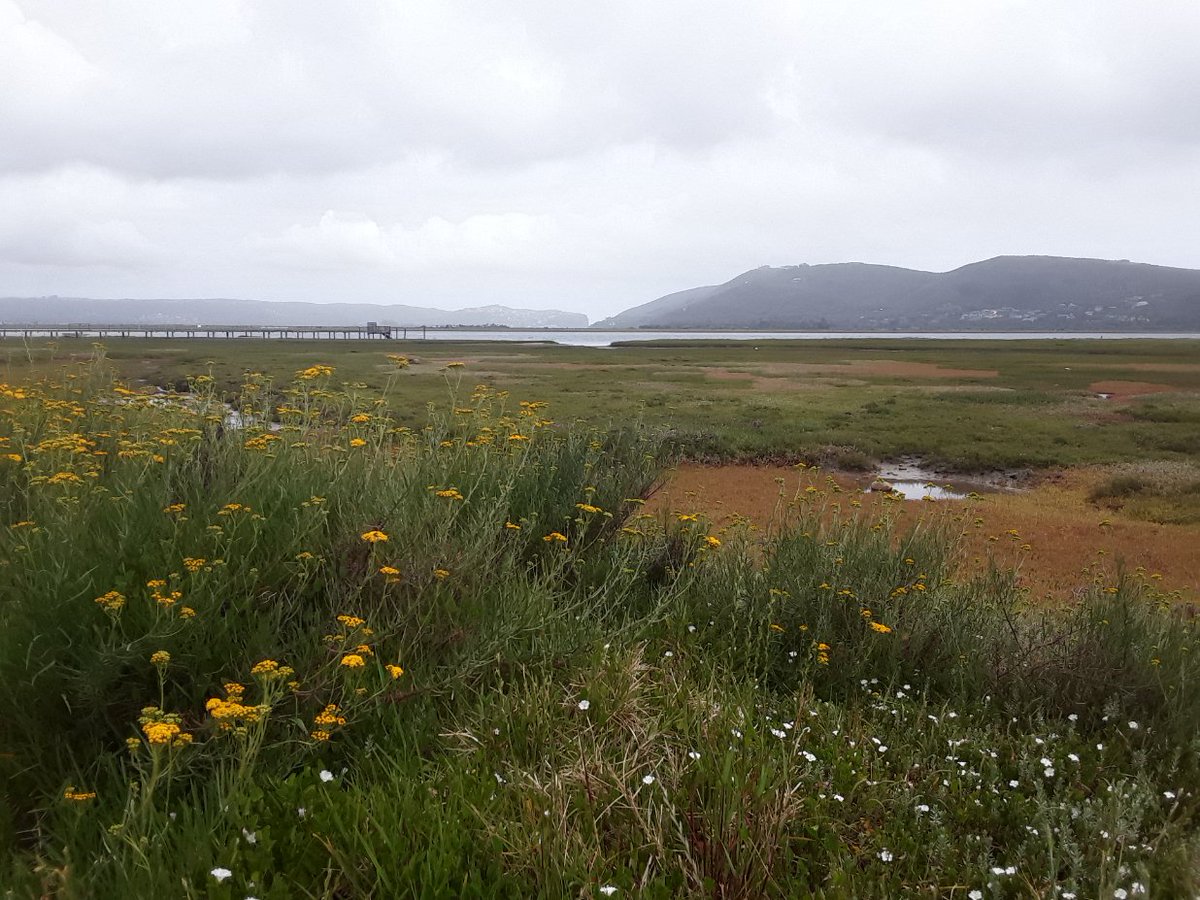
[(305, 651)]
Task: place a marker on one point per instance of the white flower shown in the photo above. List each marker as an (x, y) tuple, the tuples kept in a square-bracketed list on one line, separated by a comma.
[(326, 776), (499, 778), (1133, 726), (608, 890), (1120, 893), (1048, 771), (220, 873), (1047, 762), (886, 855), (1073, 717), (1073, 757), (1137, 888), (1014, 783), (922, 807), (585, 704), (647, 779), (692, 754), (1170, 795), (838, 797), (301, 811), (779, 733), (250, 836), (811, 757), (668, 654), (975, 895), (691, 630)]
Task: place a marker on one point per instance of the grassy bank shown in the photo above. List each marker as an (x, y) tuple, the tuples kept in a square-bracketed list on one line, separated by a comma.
[(376, 652)]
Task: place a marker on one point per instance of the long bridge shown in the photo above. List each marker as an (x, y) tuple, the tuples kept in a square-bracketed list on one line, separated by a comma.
[(312, 332)]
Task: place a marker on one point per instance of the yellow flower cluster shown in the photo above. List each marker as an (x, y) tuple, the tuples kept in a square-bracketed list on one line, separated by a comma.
[(555, 536), (353, 661), (314, 372), (162, 729), (270, 670), (374, 536), (194, 563), (450, 494), (112, 602), (71, 794), (160, 659), (230, 712)]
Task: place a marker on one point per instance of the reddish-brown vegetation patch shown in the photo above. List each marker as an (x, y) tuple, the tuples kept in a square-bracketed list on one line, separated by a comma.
[(1057, 541), (1121, 390)]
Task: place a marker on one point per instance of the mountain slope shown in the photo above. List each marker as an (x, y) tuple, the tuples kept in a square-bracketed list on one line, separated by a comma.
[(216, 312), (1007, 292)]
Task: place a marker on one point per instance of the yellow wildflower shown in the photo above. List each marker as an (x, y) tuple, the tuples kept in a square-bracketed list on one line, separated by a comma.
[(357, 442), (512, 526), (712, 540), (555, 536), (588, 508), (389, 570), (351, 621), (441, 573), (450, 494), (880, 627), (394, 671), (160, 659), (374, 536), (79, 796), (111, 602), (352, 661), (186, 612)]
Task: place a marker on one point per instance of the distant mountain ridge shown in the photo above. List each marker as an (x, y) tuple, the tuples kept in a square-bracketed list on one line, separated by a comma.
[(217, 312), (1006, 293)]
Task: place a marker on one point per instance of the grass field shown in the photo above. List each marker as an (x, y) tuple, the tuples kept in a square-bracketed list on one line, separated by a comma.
[(387, 650), (960, 405)]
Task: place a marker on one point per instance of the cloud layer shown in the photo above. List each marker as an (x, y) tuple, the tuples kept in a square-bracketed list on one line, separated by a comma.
[(588, 158)]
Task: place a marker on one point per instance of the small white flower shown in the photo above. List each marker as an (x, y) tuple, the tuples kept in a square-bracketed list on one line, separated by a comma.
[(608, 890), (1068, 895), (326, 776), (692, 754), (779, 733), (668, 654), (301, 811), (221, 873), (1120, 893), (811, 757), (1137, 888), (975, 895), (1133, 726), (922, 807), (499, 778), (1048, 771), (1073, 757), (691, 630), (250, 836), (585, 704), (886, 855), (647, 779), (1170, 795), (1073, 717)]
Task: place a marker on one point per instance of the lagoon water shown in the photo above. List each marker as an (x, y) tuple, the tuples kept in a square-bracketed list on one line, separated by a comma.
[(584, 338)]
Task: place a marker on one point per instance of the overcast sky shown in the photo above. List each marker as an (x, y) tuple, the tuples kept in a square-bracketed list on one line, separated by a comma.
[(586, 157)]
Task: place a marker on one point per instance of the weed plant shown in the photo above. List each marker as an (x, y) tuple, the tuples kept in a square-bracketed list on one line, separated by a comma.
[(295, 649)]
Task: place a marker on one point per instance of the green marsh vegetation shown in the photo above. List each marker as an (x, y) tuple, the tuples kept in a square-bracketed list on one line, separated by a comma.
[(350, 648)]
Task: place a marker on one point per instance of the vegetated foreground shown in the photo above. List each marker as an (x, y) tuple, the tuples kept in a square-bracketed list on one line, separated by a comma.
[(350, 657)]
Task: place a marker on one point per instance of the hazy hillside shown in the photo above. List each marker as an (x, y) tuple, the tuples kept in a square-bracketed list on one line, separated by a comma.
[(71, 310), (1042, 293)]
